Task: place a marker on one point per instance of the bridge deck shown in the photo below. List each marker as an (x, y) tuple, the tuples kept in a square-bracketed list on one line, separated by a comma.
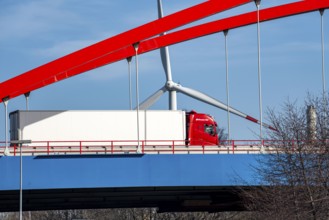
[(170, 182)]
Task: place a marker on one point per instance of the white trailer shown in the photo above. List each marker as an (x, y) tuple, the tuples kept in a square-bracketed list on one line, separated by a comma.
[(98, 125)]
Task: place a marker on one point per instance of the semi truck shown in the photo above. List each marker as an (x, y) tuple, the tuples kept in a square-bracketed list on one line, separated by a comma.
[(154, 127)]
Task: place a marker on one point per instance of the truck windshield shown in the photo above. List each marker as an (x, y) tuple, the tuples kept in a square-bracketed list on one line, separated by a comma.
[(209, 129)]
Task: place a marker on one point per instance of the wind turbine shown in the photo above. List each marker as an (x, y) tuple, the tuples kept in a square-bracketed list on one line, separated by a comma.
[(173, 87)]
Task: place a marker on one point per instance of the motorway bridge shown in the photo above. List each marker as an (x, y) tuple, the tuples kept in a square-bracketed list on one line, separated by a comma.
[(104, 175), (182, 182)]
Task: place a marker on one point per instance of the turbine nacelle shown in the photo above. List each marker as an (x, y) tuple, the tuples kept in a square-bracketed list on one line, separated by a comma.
[(170, 85)]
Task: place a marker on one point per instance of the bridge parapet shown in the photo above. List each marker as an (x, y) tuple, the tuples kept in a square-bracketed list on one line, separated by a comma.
[(147, 147)]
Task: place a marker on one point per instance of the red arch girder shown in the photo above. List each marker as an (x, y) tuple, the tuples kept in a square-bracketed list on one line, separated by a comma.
[(57, 69), (81, 61)]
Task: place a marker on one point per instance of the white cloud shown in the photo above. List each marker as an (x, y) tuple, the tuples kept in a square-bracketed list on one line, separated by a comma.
[(148, 64), (59, 49), (32, 18), (62, 48)]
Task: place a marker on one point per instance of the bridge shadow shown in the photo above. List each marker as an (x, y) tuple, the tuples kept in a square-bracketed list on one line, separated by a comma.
[(166, 199)]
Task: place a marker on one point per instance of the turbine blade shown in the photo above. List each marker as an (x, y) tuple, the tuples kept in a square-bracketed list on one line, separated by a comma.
[(160, 11), (214, 102), (165, 58), (152, 99), (164, 51)]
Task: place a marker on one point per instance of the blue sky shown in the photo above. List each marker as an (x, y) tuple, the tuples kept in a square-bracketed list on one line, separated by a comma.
[(34, 32)]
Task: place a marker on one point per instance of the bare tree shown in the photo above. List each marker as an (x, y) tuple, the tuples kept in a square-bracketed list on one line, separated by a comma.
[(129, 214), (295, 176)]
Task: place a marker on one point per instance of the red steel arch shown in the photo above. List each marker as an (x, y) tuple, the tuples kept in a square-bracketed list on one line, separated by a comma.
[(120, 46)]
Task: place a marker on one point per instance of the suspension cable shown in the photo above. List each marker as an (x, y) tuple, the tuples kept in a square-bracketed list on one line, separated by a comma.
[(322, 45), (227, 88), (323, 73), (259, 72), (129, 78), (136, 45), (5, 102), (27, 96)]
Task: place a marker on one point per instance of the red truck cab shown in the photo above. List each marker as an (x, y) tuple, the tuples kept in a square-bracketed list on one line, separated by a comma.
[(201, 129)]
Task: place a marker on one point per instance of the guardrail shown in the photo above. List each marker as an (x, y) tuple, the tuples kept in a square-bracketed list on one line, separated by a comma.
[(146, 147)]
